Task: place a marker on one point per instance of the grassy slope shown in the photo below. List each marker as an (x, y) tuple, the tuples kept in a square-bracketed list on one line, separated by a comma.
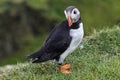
[(98, 60)]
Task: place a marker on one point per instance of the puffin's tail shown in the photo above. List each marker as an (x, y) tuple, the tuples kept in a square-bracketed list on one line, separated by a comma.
[(36, 54), (41, 56), (38, 57)]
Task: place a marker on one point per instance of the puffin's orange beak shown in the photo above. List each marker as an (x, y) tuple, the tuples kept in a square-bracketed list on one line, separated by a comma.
[(69, 20)]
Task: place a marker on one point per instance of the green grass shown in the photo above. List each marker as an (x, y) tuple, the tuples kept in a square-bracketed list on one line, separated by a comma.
[(98, 60)]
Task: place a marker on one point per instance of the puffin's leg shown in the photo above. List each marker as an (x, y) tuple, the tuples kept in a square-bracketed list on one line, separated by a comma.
[(64, 68)]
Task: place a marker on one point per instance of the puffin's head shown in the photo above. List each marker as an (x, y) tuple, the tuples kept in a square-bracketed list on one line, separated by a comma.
[(72, 14)]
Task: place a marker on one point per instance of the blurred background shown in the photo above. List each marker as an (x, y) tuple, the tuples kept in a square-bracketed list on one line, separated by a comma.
[(24, 24)]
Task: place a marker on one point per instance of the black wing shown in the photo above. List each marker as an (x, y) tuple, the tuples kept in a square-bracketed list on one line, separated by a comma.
[(56, 43)]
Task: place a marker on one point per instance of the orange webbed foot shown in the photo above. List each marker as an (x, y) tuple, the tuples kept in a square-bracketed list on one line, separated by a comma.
[(64, 68)]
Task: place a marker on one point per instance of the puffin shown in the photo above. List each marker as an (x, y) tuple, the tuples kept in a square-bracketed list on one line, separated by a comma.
[(62, 40)]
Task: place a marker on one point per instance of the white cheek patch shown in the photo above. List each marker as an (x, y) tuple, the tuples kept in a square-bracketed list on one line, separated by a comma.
[(74, 16)]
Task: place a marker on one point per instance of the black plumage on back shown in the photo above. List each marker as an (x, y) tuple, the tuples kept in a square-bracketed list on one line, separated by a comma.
[(56, 43)]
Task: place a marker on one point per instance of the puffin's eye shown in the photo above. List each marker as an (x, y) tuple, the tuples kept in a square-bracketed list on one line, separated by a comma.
[(75, 12)]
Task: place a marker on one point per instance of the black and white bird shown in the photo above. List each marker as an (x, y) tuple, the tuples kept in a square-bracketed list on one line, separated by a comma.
[(62, 41)]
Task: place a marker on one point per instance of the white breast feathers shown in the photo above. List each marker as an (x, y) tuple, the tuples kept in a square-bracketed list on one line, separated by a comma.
[(77, 36)]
